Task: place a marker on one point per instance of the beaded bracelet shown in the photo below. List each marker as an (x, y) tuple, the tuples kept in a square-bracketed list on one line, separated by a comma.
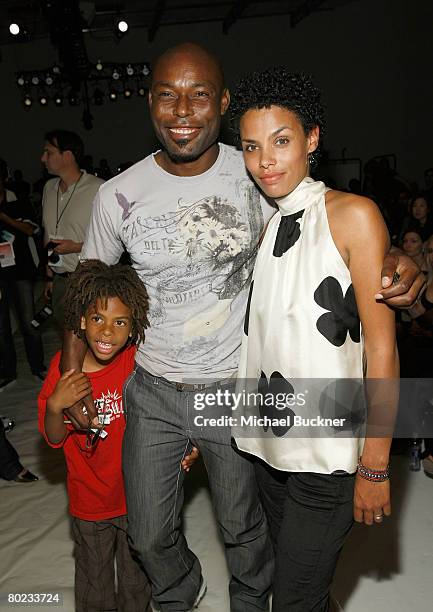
[(372, 475)]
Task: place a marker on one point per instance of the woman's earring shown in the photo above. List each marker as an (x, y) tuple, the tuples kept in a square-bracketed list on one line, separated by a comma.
[(312, 159)]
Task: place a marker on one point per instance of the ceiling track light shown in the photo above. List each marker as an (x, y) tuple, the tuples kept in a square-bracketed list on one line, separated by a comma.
[(27, 101), (14, 29), (122, 26)]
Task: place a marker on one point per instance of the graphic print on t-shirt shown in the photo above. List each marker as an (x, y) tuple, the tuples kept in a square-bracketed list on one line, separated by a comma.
[(109, 406), (205, 245)]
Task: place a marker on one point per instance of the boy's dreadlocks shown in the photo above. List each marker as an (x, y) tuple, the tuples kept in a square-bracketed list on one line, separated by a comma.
[(93, 280)]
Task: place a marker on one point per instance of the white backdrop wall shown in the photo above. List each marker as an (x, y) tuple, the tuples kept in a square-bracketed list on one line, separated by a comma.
[(373, 59)]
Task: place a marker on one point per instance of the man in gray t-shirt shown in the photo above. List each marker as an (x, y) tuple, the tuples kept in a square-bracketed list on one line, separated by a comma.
[(191, 221)]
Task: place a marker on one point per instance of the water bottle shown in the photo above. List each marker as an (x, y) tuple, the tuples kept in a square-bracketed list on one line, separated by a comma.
[(41, 316), (415, 455)]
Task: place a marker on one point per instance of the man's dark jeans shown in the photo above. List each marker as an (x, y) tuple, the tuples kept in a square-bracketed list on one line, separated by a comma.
[(20, 294), (160, 427), (310, 516)]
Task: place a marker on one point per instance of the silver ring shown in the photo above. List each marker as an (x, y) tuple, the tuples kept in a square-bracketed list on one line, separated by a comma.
[(378, 517)]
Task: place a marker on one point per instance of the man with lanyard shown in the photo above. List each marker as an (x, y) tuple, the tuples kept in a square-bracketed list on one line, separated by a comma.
[(66, 209), (191, 220)]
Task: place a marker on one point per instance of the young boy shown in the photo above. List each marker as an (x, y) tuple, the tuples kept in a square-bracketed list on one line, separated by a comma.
[(106, 305)]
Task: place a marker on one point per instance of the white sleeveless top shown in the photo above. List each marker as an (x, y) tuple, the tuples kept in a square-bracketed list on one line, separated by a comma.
[(301, 323)]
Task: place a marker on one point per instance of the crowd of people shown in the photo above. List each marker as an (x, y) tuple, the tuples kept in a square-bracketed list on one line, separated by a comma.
[(192, 219)]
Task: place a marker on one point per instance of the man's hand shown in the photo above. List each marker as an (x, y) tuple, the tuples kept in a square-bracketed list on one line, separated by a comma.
[(65, 247), (189, 460), (408, 282), (71, 388), (74, 350), (371, 501)]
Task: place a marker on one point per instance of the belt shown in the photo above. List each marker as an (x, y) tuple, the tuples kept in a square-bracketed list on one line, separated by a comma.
[(194, 387)]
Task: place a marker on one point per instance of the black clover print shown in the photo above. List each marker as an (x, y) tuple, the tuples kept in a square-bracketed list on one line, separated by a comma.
[(247, 312), (343, 312), (277, 386), (344, 399), (288, 233)]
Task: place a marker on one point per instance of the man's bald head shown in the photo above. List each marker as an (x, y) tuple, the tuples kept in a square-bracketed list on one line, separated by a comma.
[(187, 99), (192, 53)]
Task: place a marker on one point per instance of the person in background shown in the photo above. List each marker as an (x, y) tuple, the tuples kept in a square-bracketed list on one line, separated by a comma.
[(413, 246), (19, 186), (10, 465), (419, 217), (18, 269), (8, 194), (66, 209)]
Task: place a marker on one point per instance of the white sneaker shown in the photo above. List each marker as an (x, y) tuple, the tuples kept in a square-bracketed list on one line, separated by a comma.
[(201, 593)]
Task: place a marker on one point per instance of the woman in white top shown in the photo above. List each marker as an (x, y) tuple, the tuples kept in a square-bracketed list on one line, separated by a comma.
[(312, 314)]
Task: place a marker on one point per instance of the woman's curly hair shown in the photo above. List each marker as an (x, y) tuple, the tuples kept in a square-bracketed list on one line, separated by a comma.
[(94, 280), (278, 87)]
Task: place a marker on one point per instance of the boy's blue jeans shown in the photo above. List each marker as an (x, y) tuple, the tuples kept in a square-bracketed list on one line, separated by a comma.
[(160, 428)]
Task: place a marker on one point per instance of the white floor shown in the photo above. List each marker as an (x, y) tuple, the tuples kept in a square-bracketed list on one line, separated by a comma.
[(386, 568)]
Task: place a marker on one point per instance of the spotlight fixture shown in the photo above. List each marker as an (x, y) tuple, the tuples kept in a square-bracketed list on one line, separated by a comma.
[(18, 31), (116, 74), (113, 95), (99, 65), (146, 70), (56, 69), (49, 79), (142, 91), (21, 80), (58, 99), (129, 70), (27, 101), (127, 93), (122, 26), (35, 80), (14, 29), (43, 100)]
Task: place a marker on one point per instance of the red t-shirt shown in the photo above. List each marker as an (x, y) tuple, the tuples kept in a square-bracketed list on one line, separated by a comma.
[(95, 480)]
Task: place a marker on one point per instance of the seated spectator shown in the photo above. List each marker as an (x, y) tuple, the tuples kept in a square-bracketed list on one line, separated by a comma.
[(413, 246), (419, 217)]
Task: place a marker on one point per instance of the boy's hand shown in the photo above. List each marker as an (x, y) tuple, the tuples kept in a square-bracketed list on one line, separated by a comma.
[(70, 389), (189, 460)]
